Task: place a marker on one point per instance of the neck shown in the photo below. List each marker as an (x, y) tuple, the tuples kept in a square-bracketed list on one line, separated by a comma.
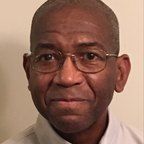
[(92, 135)]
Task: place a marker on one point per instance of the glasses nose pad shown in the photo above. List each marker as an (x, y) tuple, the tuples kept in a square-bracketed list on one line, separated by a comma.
[(73, 59), (64, 58)]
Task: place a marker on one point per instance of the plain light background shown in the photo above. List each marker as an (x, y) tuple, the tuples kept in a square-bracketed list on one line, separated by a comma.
[(17, 111)]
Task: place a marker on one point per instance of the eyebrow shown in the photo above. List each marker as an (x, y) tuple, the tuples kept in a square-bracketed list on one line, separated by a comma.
[(45, 46), (51, 46), (91, 44)]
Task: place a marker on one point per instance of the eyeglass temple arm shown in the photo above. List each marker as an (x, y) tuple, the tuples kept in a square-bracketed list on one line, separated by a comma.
[(111, 55)]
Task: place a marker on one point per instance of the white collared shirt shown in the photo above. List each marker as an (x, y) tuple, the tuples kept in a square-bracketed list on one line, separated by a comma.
[(43, 133)]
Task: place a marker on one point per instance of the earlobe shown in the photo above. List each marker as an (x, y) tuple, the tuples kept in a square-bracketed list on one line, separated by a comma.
[(26, 65), (123, 69)]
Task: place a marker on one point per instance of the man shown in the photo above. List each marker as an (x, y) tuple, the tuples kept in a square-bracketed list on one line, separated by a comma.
[(73, 71)]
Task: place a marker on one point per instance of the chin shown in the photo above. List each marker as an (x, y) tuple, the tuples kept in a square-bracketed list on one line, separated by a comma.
[(70, 124)]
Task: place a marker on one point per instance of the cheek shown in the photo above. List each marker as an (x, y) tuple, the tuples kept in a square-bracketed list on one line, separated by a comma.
[(38, 82), (38, 86), (102, 85)]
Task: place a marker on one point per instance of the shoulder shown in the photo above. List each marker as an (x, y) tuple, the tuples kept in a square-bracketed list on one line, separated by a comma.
[(119, 133), (28, 136), (130, 134), (126, 134)]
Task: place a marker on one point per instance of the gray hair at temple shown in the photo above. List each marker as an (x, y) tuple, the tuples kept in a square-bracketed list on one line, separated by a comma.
[(90, 5)]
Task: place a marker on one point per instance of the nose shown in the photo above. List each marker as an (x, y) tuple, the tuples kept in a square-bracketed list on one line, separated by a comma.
[(68, 75)]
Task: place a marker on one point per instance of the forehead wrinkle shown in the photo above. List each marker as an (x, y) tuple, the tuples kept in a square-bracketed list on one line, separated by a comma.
[(62, 33), (83, 36)]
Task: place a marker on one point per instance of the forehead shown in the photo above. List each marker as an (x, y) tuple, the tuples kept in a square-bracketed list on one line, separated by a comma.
[(72, 21), (71, 16)]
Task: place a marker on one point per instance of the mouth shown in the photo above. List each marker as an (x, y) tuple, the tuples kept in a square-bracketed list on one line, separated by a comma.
[(67, 100)]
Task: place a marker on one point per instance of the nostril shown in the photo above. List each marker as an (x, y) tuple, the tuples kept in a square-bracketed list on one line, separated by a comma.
[(68, 78), (65, 80), (66, 83)]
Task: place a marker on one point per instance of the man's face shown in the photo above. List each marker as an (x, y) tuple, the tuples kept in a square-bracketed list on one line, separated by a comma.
[(72, 100)]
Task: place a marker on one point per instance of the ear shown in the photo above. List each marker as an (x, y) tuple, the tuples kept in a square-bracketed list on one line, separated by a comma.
[(26, 65), (123, 69)]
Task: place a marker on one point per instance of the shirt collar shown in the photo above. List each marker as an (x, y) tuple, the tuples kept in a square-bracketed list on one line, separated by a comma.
[(46, 134), (112, 131)]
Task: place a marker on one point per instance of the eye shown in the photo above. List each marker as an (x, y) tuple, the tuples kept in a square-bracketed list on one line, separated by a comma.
[(90, 56), (45, 57)]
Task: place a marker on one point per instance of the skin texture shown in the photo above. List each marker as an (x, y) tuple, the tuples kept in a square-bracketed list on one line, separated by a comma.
[(83, 117)]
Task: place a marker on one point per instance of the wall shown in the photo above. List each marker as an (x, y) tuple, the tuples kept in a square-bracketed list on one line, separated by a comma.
[(16, 107)]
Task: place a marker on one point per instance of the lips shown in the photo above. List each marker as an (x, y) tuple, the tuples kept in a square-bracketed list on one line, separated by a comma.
[(67, 106), (73, 95), (67, 99), (66, 102)]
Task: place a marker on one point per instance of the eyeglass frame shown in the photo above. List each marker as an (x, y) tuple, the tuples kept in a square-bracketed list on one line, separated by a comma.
[(73, 58)]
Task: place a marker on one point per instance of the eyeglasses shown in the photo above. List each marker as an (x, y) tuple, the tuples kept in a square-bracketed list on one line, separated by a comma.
[(87, 61)]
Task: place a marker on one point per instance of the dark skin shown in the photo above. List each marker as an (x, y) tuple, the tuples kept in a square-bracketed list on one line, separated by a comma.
[(83, 121)]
